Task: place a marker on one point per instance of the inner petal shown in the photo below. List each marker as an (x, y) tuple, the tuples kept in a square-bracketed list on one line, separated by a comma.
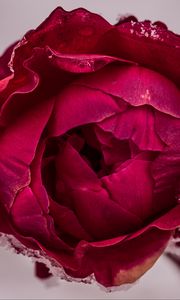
[(96, 211), (136, 124), (131, 186), (114, 151)]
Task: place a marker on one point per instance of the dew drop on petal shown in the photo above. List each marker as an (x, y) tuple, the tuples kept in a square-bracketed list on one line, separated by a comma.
[(133, 23), (86, 65)]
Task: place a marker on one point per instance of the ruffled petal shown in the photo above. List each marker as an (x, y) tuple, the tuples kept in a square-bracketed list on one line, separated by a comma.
[(81, 63), (27, 216), (98, 214), (101, 216), (77, 106), (151, 45), (137, 86), (77, 31), (114, 151), (136, 124), (72, 169), (30, 221), (4, 60), (36, 183), (131, 186), (14, 165), (67, 223), (123, 263), (166, 167)]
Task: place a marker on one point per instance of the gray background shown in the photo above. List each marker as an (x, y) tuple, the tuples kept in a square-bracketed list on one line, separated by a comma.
[(16, 272)]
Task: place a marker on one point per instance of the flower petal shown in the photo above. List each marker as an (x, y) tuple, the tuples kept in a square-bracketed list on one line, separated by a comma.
[(77, 31), (81, 63), (137, 124), (36, 179), (123, 263), (137, 86), (151, 45), (115, 151), (166, 167), (101, 216), (131, 186), (73, 170), (77, 106), (14, 165), (30, 221), (67, 223), (28, 217), (98, 214), (4, 60)]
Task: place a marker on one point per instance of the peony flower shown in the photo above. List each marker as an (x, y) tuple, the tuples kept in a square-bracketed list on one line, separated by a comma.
[(90, 144)]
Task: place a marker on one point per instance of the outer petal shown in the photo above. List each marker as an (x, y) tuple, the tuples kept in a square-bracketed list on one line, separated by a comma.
[(137, 86), (139, 255), (166, 168), (30, 221), (151, 45), (3, 84), (4, 221), (81, 63), (123, 263), (4, 60), (168, 221), (77, 31), (28, 217), (36, 183), (14, 165)]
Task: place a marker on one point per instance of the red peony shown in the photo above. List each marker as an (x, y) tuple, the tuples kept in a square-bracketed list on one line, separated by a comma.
[(90, 143)]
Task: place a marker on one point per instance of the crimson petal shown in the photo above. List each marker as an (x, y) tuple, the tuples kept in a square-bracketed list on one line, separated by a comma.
[(137, 86), (122, 263), (131, 186), (98, 214), (151, 45), (4, 60), (67, 222), (77, 106), (137, 124), (14, 165)]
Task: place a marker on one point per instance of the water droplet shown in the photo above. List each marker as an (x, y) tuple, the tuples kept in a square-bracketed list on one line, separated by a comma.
[(146, 96), (86, 64), (133, 23)]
